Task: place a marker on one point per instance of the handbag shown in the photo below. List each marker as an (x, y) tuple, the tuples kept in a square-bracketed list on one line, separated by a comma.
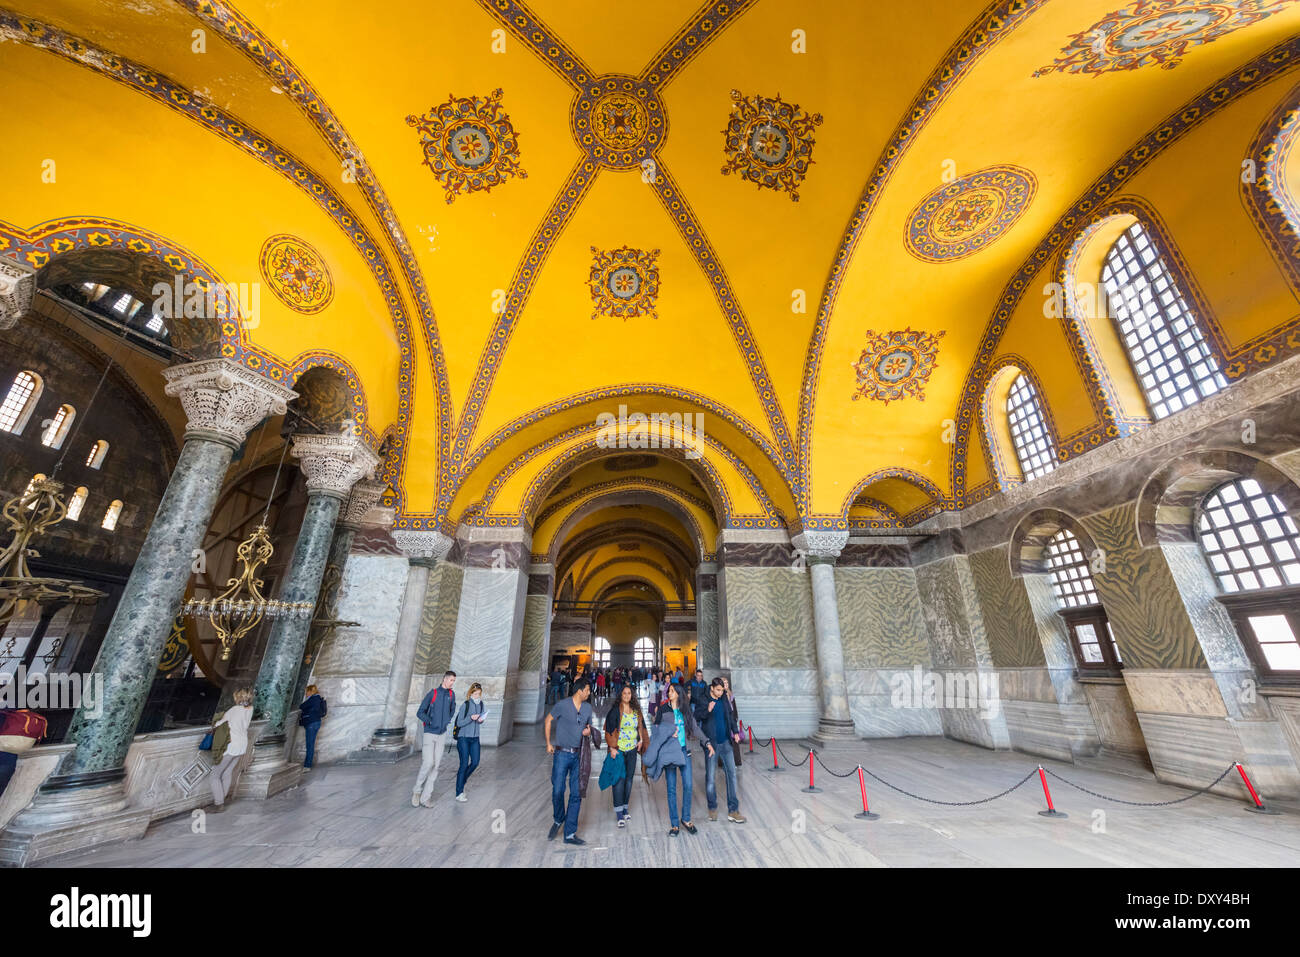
[(206, 743)]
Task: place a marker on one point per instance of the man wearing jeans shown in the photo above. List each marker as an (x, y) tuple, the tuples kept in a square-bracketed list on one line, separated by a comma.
[(721, 729), (435, 714), (571, 721)]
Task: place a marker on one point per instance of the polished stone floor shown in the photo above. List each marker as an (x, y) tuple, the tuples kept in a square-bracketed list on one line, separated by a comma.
[(360, 816)]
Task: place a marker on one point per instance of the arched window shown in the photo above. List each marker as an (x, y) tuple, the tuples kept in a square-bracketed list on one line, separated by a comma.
[(110, 517), (77, 503), (19, 403), (57, 430), (644, 652), (1253, 547), (38, 477), (1170, 357), (602, 653), (1091, 636), (97, 452), (1029, 433)]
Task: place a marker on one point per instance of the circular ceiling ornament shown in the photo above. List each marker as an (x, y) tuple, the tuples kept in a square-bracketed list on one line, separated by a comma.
[(297, 274), (1156, 32), (469, 144), (962, 217), (896, 364), (769, 142), (624, 282), (618, 121)]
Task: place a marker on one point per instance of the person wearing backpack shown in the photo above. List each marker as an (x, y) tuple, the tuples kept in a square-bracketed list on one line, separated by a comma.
[(468, 723), (310, 713), (237, 720), (435, 713)]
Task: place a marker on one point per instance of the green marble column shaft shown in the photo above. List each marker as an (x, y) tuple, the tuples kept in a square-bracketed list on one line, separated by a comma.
[(133, 644), (338, 557), (284, 649)]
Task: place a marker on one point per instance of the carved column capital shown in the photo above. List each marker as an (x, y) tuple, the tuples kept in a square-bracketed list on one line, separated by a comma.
[(333, 464), (423, 546), (223, 400), (365, 496), (822, 545), (17, 289)]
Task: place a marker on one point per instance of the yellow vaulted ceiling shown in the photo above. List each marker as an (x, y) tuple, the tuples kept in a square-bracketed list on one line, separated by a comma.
[(476, 336)]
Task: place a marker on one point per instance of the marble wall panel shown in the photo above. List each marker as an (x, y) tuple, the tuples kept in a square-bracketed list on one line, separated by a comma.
[(882, 624), (1012, 632), (769, 618), (1117, 725), (1140, 596)]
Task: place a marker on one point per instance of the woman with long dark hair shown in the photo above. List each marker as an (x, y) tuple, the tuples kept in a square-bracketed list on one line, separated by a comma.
[(670, 754), (625, 735)]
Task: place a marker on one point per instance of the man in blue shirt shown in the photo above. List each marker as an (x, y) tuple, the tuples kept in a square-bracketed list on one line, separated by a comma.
[(720, 725), (571, 719)]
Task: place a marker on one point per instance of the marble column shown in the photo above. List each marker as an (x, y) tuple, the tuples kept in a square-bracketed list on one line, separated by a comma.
[(708, 649), (17, 289), (85, 802), (821, 549), (365, 496), (423, 550), (332, 465), (535, 646)]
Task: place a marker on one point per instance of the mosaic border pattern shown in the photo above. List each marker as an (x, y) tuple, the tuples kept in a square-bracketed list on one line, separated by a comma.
[(1271, 206)]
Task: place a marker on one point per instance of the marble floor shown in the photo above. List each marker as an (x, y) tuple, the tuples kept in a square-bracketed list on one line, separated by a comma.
[(360, 816)]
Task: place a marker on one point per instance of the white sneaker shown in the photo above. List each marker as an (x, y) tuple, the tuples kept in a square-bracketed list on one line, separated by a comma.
[(461, 797), (415, 799), (428, 802)]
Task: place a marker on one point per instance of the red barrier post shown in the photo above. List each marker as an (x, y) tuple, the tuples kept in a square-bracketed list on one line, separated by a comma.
[(811, 789), (750, 729), (775, 765), (866, 814), (1258, 807), (1051, 811)]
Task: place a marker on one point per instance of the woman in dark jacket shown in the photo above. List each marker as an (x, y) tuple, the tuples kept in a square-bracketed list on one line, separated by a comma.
[(625, 735), (310, 713), (668, 754)]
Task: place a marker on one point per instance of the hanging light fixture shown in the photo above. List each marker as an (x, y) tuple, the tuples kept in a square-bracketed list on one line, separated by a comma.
[(29, 515), (242, 606)]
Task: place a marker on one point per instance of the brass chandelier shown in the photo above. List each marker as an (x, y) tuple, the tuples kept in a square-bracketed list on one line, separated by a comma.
[(242, 606), (29, 515)]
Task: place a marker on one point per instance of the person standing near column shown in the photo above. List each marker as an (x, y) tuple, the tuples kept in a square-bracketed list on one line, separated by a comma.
[(626, 736), (720, 728), (239, 718), (435, 712), (571, 719), (310, 714), (472, 715)]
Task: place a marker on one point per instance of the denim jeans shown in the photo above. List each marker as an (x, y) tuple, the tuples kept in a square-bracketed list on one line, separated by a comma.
[(565, 767), (468, 750), (622, 789), (311, 730), (8, 762), (670, 779), (723, 753)]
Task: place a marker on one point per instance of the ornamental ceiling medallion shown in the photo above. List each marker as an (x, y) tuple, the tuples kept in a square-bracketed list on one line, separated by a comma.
[(618, 121), (469, 144), (769, 142), (624, 282), (1148, 32), (297, 274), (962, 217), (896, 364)]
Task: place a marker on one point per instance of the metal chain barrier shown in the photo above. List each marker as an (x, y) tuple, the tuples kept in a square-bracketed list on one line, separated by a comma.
[(846, 774), (792, 764), (927, 800), (1105, 797)]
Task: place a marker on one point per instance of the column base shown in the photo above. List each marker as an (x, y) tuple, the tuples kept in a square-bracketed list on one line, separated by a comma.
[(831, 731), (387, 746), (71, 818), (269, 773)]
